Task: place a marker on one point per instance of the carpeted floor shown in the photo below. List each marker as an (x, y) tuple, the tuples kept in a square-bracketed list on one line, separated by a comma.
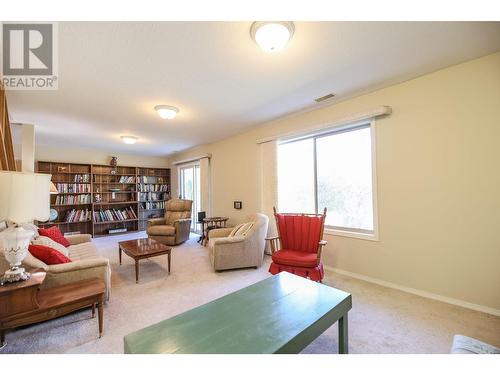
[(382, 320)]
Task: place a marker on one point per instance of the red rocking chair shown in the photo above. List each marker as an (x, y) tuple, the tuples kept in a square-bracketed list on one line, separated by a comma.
[(301, 239)]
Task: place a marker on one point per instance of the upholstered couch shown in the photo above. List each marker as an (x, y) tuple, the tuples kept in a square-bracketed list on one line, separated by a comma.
[(239, 250), (174, 228), (85, 263)]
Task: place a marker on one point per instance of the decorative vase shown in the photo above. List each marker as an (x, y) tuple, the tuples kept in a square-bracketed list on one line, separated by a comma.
[(15, 243)]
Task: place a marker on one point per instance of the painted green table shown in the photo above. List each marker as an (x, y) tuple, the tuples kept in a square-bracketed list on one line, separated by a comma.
[(281, 314)]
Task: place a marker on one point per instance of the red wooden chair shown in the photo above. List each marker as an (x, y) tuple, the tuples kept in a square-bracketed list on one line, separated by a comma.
[(301, 239)]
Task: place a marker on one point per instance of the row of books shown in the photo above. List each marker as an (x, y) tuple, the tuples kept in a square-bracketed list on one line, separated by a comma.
[(73, 216), (114, 214), (73, 188), (73, 199), (81, 178), (151, 180), (153, 205), (150, 196), (153, 187), (126, 179)]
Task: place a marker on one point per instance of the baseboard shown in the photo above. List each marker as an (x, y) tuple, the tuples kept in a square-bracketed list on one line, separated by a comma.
[(421, 293)]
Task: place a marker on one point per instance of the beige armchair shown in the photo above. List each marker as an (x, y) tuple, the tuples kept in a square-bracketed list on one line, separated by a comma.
[(239, 251), (174, 228), (85, 263)]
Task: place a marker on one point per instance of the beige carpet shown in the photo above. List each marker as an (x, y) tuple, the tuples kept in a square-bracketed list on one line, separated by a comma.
[(382, 320)]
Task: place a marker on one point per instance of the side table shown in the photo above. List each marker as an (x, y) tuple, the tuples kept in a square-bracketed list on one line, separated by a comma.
[(23, 302)]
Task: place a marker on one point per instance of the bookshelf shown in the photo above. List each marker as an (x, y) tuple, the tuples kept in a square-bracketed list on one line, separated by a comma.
[(153, 190), (97, 199)]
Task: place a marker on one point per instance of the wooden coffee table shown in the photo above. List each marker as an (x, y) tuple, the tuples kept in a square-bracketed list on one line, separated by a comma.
[(141, 249)]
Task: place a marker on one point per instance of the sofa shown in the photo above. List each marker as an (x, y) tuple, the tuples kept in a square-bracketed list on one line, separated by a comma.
[(85, 263), (229, 250), (174, 228)]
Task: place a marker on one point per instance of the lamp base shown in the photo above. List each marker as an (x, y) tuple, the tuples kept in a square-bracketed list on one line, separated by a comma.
[(14, 274)]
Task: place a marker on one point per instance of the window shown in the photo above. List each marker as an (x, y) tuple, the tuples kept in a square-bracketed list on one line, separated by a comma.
[(333, 170)]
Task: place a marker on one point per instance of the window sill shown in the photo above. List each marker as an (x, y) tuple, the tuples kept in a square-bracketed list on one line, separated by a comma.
[(359, 236)]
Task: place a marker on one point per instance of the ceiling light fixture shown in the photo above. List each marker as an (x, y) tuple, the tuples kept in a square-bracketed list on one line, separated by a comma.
[(129, 139), (167, 112), (272, 36)]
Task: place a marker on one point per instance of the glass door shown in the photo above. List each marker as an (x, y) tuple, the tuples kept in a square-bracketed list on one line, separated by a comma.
[(189, 188)]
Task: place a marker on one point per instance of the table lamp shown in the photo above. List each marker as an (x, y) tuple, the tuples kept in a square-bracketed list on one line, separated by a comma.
[(24, 197)]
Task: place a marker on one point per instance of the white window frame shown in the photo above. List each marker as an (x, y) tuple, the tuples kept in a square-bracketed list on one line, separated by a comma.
[(337, 231)]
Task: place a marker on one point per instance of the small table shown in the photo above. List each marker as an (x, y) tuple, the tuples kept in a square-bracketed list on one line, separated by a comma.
[(141, 249), (23, 303), (210, 223), (281, 314)]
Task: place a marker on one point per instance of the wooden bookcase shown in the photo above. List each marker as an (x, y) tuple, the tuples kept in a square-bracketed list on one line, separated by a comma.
[(121, 197), (153, 190)]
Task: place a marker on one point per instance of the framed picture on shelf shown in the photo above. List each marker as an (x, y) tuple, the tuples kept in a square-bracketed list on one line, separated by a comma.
[(62, 169)]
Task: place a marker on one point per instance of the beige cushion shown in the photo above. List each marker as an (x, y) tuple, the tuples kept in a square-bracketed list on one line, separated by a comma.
[(161, 230), (244, 229), (82, 251), (49, 242), (235, 229), (171, 216)]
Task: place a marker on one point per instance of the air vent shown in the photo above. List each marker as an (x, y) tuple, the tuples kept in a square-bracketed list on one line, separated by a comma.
[(323, 98)]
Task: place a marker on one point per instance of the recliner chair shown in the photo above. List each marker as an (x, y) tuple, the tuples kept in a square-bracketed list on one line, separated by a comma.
[(174, 228)]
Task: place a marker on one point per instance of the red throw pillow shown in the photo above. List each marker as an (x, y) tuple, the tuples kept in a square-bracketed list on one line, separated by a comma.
[(55, 234), (48, 255)]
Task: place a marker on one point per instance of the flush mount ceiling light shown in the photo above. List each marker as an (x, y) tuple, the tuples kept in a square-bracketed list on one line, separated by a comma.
[(167, 111), (129, 139), (272, 36)]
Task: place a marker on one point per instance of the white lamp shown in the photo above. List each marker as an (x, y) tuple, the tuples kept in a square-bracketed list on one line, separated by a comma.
[(272, 36), (167, 112), (24, 197)]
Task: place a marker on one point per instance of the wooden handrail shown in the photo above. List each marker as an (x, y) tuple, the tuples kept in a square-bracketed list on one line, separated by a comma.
[(7, 160)]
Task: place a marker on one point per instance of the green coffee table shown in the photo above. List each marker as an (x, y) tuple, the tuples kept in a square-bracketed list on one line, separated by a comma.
[(281, 314)]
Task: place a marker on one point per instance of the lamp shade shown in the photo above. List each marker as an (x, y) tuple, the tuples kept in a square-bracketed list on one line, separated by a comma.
[(24, 197)]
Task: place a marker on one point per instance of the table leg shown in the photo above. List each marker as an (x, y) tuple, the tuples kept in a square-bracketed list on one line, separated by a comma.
[(100, 315), (2, 339), (93, 310), (120, 254), (137, 271), (343, 337), (169, 263)]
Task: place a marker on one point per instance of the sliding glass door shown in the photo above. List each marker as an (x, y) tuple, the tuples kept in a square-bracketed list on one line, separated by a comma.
[(189, 188)]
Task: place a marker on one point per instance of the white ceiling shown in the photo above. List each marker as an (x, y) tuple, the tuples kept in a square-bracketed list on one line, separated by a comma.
[(112, 74)]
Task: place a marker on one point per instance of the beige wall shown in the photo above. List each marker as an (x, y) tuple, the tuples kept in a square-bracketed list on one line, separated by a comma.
[(95, 156), (438, 179)]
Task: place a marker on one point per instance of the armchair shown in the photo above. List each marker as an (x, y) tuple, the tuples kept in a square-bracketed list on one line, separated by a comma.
[(174, 228), (300, 237), (240, 250)]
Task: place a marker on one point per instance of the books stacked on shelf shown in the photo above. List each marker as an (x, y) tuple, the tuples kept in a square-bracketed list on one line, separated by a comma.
[(73, 199), (82, 178), (114, 215), (127, 180), (153, 187), (73, 188), (150, 196), (153, 205), (74, 216), (151, 180)]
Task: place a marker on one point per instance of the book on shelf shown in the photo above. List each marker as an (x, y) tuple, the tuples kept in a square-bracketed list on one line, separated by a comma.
[(151, 180), (73, 199), (82, 177), (153, 205), (113, 214), (126, 180), (150, 196), (73, 188), (74, 216), (153, 187)]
